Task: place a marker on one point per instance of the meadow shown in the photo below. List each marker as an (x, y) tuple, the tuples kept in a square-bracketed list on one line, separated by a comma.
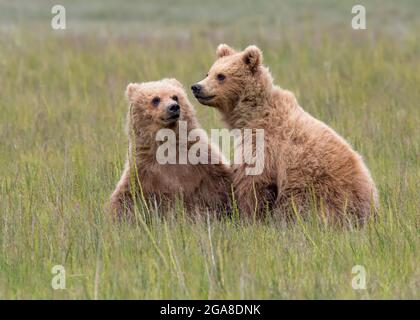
[(62, 149)]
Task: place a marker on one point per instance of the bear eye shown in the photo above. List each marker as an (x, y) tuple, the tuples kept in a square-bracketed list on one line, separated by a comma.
[(207, 75), (175, 98), (221, 77), (155, 101)]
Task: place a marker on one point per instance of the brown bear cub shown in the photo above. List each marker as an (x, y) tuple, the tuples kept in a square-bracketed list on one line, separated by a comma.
[(307, 164), (164, 105)]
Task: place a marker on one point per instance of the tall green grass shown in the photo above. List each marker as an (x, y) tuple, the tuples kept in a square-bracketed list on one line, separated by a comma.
[(62, 148)]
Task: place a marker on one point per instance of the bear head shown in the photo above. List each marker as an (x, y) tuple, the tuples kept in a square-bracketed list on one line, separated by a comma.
[(232, 76), (157, 104)]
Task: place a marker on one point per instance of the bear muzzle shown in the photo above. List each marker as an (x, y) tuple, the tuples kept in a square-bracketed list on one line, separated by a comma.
[(173, 112)]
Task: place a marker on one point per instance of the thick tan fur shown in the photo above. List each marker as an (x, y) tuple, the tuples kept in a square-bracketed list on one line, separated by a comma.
[(199, 185), (306, 162)]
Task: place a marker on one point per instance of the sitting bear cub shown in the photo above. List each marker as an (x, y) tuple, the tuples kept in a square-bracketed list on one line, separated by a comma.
[(306, 163), (164, 105)]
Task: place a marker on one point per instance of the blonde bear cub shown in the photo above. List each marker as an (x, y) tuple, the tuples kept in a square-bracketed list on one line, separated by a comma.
[(164, 105), (305, 160)]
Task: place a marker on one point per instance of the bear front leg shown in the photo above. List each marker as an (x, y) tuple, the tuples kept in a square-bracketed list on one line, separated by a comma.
[(122, 201), (255, 196), (223, 190)]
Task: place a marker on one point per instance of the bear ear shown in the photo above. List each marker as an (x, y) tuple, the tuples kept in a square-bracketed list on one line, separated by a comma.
[(252, 57), (174, 82), (131, 89), (224, 50)]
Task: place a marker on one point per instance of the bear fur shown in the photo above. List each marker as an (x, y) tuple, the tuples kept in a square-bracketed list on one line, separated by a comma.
[(305, 161), (197, 185)]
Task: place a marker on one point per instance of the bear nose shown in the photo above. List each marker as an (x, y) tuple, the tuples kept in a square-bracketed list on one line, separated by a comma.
[(196, 88), (173, 108)]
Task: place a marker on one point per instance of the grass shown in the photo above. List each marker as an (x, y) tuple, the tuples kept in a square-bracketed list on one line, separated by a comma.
[(62, 148)]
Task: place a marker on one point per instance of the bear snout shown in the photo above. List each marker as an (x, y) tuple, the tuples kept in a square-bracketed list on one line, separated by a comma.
[(172, 112), (173, 108), (196, 89)]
